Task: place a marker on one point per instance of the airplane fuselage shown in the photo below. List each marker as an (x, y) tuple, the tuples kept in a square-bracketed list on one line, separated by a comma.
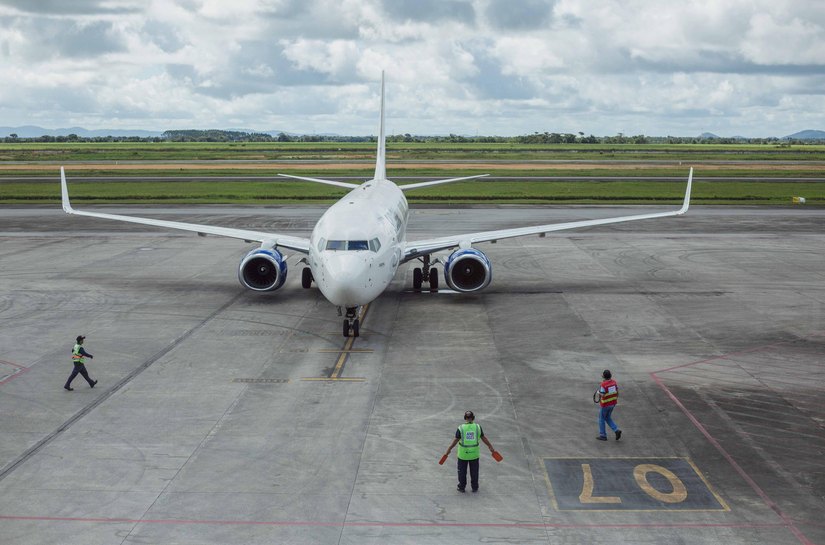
[(357, 245)]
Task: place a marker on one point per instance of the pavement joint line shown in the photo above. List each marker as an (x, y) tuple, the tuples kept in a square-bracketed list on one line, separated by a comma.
[(379, 524), (114, 389), (343, 351), (334, 379)]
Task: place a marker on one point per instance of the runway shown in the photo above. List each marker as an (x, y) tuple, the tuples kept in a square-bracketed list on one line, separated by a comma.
[(226, 416)]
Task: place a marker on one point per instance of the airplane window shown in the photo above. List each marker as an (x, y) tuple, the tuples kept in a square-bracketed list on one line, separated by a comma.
[(375, 245), (358, 245), (336, 245)]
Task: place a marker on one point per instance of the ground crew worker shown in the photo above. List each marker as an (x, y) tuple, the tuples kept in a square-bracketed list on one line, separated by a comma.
[(79, 365), (608, 396), (467, 437)]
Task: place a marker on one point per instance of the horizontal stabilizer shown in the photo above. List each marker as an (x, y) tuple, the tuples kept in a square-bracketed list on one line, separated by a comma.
[(407, 187), (321, 181)]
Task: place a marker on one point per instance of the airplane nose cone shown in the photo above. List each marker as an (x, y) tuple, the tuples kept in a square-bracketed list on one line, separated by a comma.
[(345, 279)]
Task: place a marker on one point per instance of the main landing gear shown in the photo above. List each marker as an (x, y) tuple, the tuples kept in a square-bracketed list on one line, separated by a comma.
[(306, 277), (351, 322), (425, 273)]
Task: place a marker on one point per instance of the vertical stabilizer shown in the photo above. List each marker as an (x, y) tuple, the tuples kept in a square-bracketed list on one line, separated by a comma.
[(380, 159)]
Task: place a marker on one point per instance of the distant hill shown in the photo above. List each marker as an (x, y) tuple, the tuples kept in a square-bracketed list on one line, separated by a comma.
[(32, 131), (806, 135), (708, 135)]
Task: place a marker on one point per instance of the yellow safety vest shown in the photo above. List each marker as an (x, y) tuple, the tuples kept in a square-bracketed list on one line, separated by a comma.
[(468, 443), (77, 357)]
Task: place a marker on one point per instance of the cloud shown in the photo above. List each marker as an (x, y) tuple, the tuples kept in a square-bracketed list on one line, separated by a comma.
[(430, 11), (742, 66), (521, 15)]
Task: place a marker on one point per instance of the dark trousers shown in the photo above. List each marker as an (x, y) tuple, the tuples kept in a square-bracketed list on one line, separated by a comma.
[(79, 368), (462, 473)]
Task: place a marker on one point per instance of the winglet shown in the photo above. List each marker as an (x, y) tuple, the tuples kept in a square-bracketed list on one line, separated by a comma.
[(686, 204), (67, 206), (380, 159)]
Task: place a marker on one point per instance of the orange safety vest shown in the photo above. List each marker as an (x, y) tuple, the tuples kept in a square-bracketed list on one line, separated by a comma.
[(610, 396)]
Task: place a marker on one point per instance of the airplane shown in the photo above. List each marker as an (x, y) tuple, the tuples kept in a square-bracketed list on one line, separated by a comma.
[(358, 244)]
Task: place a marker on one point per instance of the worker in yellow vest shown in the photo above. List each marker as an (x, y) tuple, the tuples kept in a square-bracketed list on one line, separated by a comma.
[(79, 364), (468, 436)]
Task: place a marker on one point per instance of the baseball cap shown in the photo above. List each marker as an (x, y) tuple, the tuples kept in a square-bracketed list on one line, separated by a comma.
[(80, 337)]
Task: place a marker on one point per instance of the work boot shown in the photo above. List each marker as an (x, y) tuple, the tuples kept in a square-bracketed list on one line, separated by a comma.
[(69, 388), (618, 434), (92, 385), (601, 438), (458, 487)]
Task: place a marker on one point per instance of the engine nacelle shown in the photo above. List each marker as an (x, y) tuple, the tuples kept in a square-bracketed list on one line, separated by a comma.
[(263, 270), (468, 270)]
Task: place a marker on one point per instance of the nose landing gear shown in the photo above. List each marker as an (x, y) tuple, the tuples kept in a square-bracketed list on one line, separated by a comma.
[(351, 322)]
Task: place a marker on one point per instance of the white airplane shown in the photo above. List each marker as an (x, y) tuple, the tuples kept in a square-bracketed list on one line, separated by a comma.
[(358, 244)]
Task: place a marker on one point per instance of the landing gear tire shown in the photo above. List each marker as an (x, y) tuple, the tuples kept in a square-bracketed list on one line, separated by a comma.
[(346, 328), (306, 278), (356, 326), (418, 279), (433, 279)]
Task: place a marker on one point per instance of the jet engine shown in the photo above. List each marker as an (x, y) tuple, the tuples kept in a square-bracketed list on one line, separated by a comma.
[(468, 270), (263, 270)]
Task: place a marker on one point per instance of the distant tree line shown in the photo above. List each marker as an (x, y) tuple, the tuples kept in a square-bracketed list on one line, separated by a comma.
[(214, 135)]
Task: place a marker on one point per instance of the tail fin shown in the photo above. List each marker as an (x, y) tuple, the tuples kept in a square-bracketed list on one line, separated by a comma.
[(380, 158)]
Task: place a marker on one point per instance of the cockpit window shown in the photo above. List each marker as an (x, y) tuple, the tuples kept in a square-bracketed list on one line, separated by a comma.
[(375, 245), (351, 245)]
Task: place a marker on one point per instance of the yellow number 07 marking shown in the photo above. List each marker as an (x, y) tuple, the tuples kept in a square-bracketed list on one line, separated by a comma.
[(640, 472)]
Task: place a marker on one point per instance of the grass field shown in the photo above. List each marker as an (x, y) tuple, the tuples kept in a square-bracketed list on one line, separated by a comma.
[(625, 164)]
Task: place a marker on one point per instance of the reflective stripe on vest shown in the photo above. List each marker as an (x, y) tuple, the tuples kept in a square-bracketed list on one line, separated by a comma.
[(468, 444), (611, 395), (77, 357)]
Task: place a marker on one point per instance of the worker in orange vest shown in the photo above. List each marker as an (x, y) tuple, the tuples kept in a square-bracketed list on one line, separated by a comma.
[(607, 397)]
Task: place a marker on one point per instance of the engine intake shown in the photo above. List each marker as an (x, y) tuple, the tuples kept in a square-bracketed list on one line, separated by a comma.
[(468, 270), (263, 270)]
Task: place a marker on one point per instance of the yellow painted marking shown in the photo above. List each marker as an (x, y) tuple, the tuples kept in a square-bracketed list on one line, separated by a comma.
[(707, 484), (339, 365), (344, 351), (679, 493), (587, 489)]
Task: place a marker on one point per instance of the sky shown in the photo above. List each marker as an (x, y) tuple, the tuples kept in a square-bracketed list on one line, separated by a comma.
[(751, 68)]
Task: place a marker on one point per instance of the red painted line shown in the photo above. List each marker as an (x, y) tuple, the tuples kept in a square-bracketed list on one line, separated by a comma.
[(21, 370), (788, 522), (378, 524)]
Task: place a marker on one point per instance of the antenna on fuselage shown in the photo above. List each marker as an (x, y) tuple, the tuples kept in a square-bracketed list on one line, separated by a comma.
[(380, 159)]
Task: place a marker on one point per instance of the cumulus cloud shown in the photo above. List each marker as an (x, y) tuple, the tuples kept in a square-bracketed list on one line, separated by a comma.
[(751, 67)]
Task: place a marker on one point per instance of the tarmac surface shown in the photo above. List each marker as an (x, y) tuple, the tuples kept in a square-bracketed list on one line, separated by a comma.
[(224, 416)]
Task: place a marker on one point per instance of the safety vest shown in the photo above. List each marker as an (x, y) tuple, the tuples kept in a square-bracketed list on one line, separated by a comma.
[(611, 393), (468, 443), (77, 357)]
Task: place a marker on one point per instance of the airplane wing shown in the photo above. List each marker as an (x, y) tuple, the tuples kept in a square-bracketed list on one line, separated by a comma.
[(297, 244), (418, 248)]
